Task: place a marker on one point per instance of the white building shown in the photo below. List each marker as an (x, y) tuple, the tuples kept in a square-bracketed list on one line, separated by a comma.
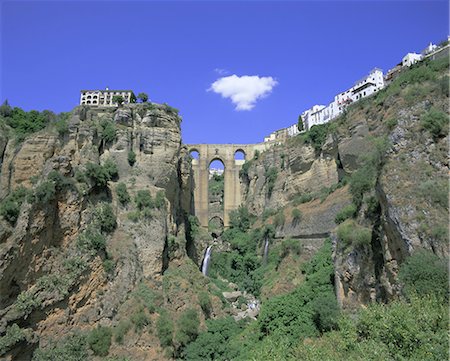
[(429, 49), (104, 97), (411, 58)]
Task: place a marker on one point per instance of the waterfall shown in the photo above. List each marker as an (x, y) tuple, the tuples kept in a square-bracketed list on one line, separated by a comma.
[(266, 251), (206, 259)]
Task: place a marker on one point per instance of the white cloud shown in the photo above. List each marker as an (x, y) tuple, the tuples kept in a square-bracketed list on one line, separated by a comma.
[(221, 71), (244, 90)]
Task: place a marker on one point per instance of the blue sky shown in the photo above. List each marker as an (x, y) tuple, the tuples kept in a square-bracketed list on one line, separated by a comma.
[(307, 51)]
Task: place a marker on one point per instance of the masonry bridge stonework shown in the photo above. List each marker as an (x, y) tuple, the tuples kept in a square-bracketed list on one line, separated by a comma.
[(232, 185)]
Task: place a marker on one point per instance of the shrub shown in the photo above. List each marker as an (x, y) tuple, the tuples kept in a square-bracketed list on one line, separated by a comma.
[(13, 335), (26, 302), (424, 273), (24, 123), (99, 340), (205, 303), (44, 192), (352, 234), (303, 198), (9, 210), (241, 218), (108, 131), (187, 327), (245, 167), (108, 265), (256, 154), (349, 211), (279, 219), (391, 123), (171, 110), (99, 174), (292, 246), (269, 212), (150, 298), (143, 200), (271, 175), (317, 135), (72, 348), (131, 158), (160, 199), (164, 328), (436, 122), (435, 190), (122, 194), (92, 239), (411, 331), (61, 182), (121, 330), (296, 215), (62, 126), (140, 320), (105, 218), (118, 99), (133, 216), (215, 343)]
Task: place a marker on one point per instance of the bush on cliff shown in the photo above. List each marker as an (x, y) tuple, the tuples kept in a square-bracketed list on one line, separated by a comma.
[(424, 273)]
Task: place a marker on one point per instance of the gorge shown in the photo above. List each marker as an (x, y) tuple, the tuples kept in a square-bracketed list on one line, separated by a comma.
[(104, 240)]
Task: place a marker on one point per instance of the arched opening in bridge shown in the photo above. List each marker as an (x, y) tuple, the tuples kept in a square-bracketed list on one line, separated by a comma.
[(239, 155), (216, 183), (194, 154), (215, 226)]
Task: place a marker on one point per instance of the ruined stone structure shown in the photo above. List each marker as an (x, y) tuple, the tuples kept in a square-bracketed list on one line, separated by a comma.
[(232, 186)]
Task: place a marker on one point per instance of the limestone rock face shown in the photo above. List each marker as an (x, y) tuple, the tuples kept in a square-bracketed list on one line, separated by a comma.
[(35, 249), (299, 170)]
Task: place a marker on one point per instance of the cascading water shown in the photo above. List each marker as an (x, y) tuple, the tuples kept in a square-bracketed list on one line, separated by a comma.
[(266, 251), (206, 258)]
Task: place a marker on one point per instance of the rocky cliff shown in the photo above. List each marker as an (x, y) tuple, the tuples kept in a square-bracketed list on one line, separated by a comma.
[(383, 164), (67, 262)]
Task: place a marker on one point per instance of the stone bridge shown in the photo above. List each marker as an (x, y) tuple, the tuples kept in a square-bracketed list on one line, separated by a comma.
[(232, 186)]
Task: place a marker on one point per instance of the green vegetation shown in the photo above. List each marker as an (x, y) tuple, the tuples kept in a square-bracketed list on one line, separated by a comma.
[(187, 328), (122, 194), (121, 330), (271, 175), (436, 122), (99, 340), (143, 97), (316, 136), (25, 123), (13, 335), (151, 299), (72, 348), (164, 328), (108, 131), (425, 274), (363, 180), (352, 234), (279, 219), (105, 218), (300, 125), (144, 200), (296, 215), (100, 175), (349, 211), (140, 320), (205, 303), (215, 343), (170, 110), (118, 99), (10, 206), (131, 157)]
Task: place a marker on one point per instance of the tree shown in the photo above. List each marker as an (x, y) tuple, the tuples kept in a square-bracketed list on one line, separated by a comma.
[(118, 99), (300, 124), (5, 109), (143, 97)]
